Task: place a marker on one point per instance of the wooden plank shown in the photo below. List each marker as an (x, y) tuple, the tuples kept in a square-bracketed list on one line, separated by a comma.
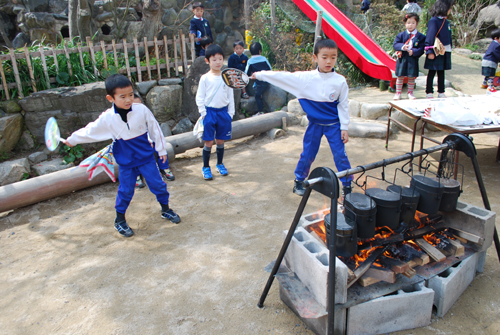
[(92, 56), (146, 51), (435, 254), (410, 273), (105, 59), (4, 81), (44, 65), (167, 60), (16, 72), (360, 270), (68, 61), (350, 275), (157, 59), (382, 274), (184, 54), (82, 63), (175, 57), (394, 264), (461, 239), (114, 53), (457, 248), (468, 236), (137, 60), (367, 281), (125, 52), (30, 68)]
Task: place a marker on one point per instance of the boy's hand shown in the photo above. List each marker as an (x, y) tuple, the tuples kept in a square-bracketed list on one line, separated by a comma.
[(431, 56), (163, 158), (253, 76), (410, 52), (66, 142), (344, 136)]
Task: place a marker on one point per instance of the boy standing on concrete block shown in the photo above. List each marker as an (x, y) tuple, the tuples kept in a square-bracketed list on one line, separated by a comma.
[(322, 93)]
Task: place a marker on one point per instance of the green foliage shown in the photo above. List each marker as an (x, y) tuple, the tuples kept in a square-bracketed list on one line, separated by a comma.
[(473, 47), (287, 47), (4, 156), (476, 57), (387, 23), (71, 154), (25, 176), (353, 75)]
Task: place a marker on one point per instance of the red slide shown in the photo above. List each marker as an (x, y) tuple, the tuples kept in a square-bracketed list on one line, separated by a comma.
[(354, 43)]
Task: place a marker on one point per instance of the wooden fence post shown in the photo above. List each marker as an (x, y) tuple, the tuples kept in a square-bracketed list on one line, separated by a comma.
[(16, 72), (317, 32), (137, 61), (147, 57), (30, 68), (175, 57), (114, 53), (105, 59), (184, 54), (167, 62), (157, 58), (125, 52), (4, 82), (44, 64), (68, 61), (82, 63)]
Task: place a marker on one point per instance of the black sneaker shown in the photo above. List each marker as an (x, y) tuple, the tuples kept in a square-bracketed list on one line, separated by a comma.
[(299, 188), (171, 215), (124, 229)]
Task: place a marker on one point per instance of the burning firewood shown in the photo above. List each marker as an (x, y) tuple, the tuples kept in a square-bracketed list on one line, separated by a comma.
[(468, 236), (435, 254)]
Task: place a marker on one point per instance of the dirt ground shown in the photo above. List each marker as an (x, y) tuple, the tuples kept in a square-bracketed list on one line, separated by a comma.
[(65, 270)]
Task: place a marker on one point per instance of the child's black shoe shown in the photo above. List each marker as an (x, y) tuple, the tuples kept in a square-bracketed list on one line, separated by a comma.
[(171, 215), (123, 228), (298, 188)]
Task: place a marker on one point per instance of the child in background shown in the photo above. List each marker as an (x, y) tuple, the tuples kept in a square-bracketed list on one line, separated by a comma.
[(322, 93), (215, 102), (199, 27), (365, 5), (238, 60), (412, 7), (204, 43), (129, 125), (490, 61), (438, 26), (163, 166), (410, 46), (255, 64)]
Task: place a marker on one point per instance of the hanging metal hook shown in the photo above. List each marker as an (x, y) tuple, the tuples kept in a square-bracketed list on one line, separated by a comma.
[(361, 175)]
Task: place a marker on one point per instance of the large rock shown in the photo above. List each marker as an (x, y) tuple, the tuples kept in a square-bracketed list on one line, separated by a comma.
[(165, 102), (166, 4), (183, 126), (489, 16), (194, 73), (374, 111), (404, 119), (170, 81), (170, 17), (10, 106), (218, 26), (145, 86), (227, 17), (367, 130), (37, 157), (165, 129), (39, 20), (13, 171), (54, 165), (221, 38), (11, 128), (354, 108), (20, 40), (295, 107), (36, 5), (249, 106), (133, 30), (482, 44), (26, 141), (57, 6), (275, 98), (227, 47)]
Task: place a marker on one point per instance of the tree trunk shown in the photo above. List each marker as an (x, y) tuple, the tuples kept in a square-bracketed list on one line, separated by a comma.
[(151, 18), (85, 18), (73, 18)]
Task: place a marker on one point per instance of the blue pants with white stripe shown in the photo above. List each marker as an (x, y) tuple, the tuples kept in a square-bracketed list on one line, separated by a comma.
[(128, 176), (311, 142)]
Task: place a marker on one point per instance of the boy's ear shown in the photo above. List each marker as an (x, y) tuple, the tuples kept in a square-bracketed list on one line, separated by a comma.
[(110, 98), (315, 58), (206, 61)]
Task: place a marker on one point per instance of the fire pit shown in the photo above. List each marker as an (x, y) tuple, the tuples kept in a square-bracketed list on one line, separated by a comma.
[(394, 278)]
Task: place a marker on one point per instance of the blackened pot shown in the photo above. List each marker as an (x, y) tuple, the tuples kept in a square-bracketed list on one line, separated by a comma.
[(451, 192), (431, 193), (409, 202), (388, 207), (346, 240), (362, 210)]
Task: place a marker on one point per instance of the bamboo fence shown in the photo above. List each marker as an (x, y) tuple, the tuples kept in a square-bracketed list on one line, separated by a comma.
[(170, 67)]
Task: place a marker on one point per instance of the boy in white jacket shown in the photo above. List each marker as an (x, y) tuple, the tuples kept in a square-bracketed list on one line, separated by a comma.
[(128, 124), (322, 93)]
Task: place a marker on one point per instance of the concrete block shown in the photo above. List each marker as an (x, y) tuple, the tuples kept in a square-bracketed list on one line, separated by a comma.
[(407, 309), (475, 220), (374, 111), (309, 260), (355, 108), (451, 283), (481, 260), (367, 130)]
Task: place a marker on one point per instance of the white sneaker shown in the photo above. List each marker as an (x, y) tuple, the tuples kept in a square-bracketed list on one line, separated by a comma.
[(397, 96), (442, 96), (429, 96), (411, 96)]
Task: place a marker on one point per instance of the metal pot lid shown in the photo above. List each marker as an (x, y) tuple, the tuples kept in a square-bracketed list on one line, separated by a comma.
[(450, 185), (345, 226), (359, 201), (408, 195), (426, 184), (383, 197)]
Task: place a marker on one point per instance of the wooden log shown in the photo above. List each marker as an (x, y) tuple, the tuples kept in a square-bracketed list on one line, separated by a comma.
[(147, 57), (453, 248), (468, 236), (113, 43), (167, 60), (350, 275), (394, 264), (317, 32), (367, 281), (127, 64), (157, 59), (4, 82), (137, 60), (104, 58), (284, 125), (461, 239), (30, 68), (175, 57), (58, 183), (92, 56), (360, 270), (68, 61), (44, 65), (382, 274), (433, 253), (16, 72)]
